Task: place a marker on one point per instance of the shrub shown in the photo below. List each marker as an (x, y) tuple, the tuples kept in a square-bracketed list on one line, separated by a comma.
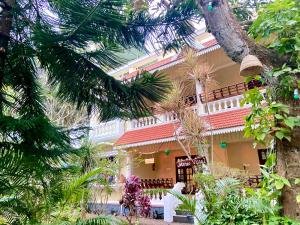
[(134, 199)]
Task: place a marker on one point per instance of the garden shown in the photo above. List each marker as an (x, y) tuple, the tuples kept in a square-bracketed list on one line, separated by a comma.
[(55, 58)]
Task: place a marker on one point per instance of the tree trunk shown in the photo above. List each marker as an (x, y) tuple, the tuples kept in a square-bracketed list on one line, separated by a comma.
[(288, 166), (237, 44), (223, 25)]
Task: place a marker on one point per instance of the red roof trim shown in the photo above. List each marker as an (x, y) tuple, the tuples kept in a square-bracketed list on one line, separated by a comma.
[(218, 121), (168, 60), (148, 134)]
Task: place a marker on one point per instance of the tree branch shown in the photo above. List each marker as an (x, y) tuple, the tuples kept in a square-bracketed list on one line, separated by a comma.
[(224, 26)]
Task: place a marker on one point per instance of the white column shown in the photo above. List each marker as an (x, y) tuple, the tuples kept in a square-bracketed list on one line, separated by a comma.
[(128, 166), (200, 106)]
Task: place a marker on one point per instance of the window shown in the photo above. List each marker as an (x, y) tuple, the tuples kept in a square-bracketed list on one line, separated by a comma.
[(262, 156)]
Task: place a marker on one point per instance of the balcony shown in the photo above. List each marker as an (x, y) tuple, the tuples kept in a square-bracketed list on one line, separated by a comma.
[(216, 101), (108, 131), (230, 91)]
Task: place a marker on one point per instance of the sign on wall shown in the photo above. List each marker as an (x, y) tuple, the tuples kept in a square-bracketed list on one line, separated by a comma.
[(191, 162), (149, 161)]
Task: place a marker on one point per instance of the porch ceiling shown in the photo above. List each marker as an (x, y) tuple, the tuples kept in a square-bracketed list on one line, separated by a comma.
[(163, 133)]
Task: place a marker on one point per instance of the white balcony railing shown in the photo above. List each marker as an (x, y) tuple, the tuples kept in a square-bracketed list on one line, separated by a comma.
[(112, 130), (223, 105), (153, 120), (107, 131), (213, 107)]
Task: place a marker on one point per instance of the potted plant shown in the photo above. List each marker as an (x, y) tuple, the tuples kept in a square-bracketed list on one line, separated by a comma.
[(167, 152), (223, 144)]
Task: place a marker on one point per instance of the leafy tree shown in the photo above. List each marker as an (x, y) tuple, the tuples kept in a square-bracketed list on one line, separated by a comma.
[(274, 40), (276, 31), (57, 36)]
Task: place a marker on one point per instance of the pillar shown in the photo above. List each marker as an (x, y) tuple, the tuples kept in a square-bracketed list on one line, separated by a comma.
[(200, 105), (128, 165)]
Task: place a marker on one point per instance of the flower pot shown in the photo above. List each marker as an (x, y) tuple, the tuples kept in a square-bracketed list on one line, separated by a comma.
[(223, 145)]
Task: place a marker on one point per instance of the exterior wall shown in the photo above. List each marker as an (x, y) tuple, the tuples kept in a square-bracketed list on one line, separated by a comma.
[(220, 155), (164, 166), (238, 154), (242, 155), (228, 76)]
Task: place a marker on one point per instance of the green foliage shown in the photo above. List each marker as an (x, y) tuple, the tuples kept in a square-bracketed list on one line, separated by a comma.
[(75, 43), (62, 195), (244, 10), (188, 203), (278, 27), (267, 118), (99, 220), (226, 201)]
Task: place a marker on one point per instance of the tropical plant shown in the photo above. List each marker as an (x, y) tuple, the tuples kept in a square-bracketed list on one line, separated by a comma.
[(226, 200), (191, 126), (75, 43), (134, 200), (61, 203)]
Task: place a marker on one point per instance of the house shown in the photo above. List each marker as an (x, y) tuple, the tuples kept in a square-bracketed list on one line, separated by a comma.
[(152, 140)]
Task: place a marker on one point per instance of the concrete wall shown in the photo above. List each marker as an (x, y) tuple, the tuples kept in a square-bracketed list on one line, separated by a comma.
[(164, 165), (240, 155)]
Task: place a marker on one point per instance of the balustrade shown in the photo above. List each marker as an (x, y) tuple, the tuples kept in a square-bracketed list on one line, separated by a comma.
[(224, 104), (229, 91), (153, 120), (156, 188), (166, 183), (254, 181), (219, 100), (106, 130)]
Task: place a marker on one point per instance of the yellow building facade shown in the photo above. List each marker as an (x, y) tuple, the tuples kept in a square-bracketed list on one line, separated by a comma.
[(149, 144)]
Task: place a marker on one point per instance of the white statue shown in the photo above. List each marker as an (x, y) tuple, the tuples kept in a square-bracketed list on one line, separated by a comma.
[(171, 202), (200, 210)]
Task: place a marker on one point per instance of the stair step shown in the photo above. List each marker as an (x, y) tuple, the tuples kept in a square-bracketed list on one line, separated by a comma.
[(183, 219)]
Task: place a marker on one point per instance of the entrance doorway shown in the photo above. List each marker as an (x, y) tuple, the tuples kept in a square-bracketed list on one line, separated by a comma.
[(185, 175)]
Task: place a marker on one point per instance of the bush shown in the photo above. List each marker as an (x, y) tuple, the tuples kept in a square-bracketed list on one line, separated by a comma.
[(134, 199)]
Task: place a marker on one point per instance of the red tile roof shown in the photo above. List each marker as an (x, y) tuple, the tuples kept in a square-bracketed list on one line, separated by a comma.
[(166, 61), (150, 67), (227, 119), (218, 121), (148, 134), (210, 43)]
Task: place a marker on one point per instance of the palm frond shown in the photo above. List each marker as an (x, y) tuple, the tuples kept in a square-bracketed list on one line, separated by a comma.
[(78, 185), (186, 202), (226, 184), (87, 85)]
